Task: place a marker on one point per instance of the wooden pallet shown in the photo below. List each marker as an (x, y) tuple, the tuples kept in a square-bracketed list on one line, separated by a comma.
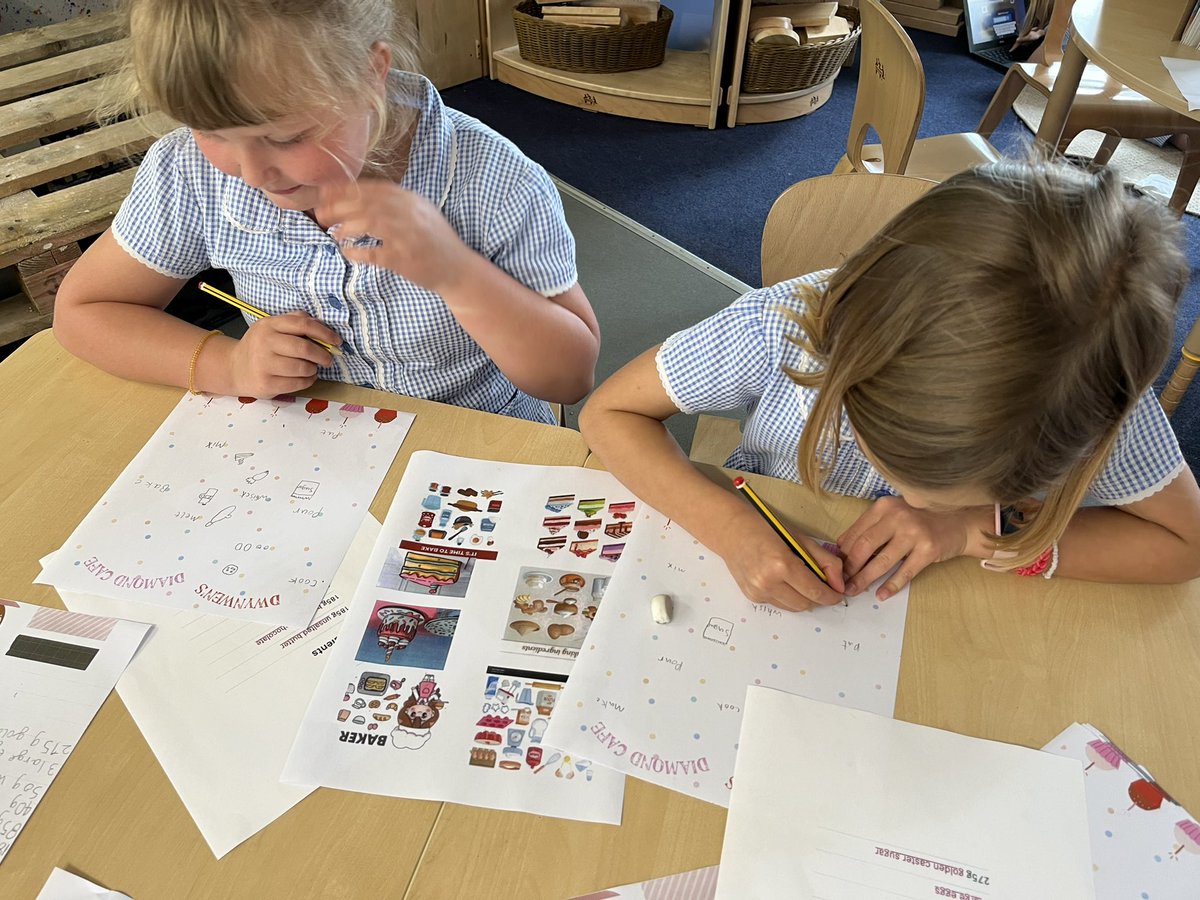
[(48, 93)]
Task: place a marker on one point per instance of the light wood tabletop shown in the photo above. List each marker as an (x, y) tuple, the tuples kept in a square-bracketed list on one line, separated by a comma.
[(1000, 657), (111, 815), (993, 656), (1126, 38)]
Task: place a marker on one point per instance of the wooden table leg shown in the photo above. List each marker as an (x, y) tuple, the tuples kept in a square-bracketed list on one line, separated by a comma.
[(1066, 83)]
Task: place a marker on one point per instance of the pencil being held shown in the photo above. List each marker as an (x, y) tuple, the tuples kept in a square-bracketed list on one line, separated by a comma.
[(251, 310), (748, 492)]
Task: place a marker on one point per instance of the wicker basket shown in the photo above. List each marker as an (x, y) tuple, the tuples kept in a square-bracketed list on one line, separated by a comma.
[(777, 69), (574, 48)]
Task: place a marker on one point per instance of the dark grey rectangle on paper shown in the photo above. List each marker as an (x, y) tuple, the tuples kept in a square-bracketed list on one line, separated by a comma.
[(55, 653)]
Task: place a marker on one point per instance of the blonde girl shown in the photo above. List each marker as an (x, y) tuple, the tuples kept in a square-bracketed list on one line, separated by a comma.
[(982, 367), (347, 202)]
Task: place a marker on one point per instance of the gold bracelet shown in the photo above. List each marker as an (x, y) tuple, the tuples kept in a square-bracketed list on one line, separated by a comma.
[(195, 357)]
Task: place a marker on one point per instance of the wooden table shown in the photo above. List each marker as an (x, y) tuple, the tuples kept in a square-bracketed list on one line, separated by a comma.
[(1127, 38), (998, 657), (111, 815)]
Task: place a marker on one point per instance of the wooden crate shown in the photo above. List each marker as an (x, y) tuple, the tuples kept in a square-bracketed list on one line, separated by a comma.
[(60, 180)]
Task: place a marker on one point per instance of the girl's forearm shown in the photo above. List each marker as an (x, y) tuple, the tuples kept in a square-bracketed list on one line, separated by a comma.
[(141, 343), (645, 458), (1108, 544)]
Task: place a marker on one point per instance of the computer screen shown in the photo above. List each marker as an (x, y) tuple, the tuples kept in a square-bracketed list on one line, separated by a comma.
[(992, 23)]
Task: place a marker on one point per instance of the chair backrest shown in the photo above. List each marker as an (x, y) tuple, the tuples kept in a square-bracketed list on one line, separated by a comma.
[(816, 223), (1051, 49), (891, 90)]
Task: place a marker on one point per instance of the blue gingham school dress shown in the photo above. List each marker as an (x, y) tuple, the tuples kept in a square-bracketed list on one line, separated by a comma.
[(735, 360), (184, 216)]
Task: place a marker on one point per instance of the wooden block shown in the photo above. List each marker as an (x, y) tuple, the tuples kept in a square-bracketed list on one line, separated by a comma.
[(801, 14), (607, 21), (41, 275), (581, 10), (770, 22), (945, 15), (929, 4), (785, 36), (838, 27), (928, 25)]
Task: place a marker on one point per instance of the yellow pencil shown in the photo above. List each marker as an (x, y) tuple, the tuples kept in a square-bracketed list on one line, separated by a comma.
[(756, 501), (255, 311)]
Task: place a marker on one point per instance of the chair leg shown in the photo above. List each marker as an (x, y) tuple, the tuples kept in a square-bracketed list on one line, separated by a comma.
[(1002, 102), (1185, 185), (1185, 371), (1107, 148)]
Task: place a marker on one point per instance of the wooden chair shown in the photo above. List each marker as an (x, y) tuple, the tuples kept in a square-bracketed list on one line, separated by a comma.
[(1101, 104), (891, 99), (815, 224), (1185, 371)]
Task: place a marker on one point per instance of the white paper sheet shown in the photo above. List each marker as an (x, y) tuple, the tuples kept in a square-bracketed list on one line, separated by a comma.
[(664, 702), (63, 885), (836, 803), (1144, 844), (1186, 75), (205, 689), (460, 637), (56, 669), (237, 507)]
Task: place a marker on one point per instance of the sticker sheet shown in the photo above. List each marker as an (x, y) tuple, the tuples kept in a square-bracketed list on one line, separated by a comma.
[(457, 647), (1144, 844), (56, 669), (235, 507), (664, 702)]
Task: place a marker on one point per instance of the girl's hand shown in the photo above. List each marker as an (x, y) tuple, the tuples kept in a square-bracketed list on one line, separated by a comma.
[(767, 571), (411, 236), (892, 532), (276, 357)]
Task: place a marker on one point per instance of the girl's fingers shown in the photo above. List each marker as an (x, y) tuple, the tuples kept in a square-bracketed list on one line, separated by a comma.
[(888, 555)]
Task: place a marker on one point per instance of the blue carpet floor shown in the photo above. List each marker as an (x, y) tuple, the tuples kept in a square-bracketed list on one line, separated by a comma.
[(710, 191)]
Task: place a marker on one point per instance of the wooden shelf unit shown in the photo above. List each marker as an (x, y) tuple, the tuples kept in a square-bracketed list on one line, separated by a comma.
[(745, 109), (685, 89)]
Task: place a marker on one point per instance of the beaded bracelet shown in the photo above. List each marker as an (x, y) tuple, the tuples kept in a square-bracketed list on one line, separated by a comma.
[(195, 357), (1045, 565)]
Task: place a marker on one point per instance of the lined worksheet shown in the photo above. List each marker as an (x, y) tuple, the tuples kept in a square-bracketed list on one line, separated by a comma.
[(56, 669), (831, 803)]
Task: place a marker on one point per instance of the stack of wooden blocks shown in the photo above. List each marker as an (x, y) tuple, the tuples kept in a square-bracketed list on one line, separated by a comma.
[(599, 13), (941, 16), (796, 23)]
